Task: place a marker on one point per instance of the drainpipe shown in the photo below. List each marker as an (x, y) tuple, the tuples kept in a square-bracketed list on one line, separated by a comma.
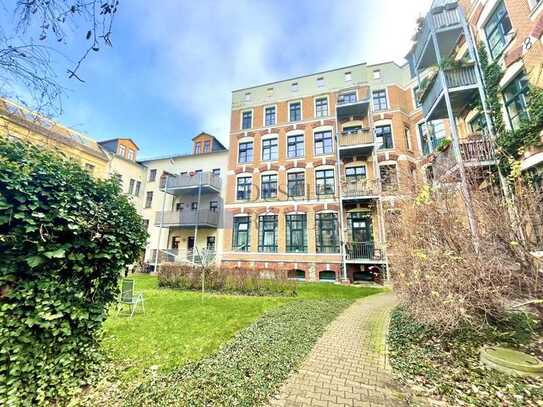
[(341, 211), (195, 248)]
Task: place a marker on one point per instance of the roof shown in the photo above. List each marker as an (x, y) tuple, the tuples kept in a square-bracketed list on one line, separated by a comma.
[(203, 133), (120, 138), (185, 155)]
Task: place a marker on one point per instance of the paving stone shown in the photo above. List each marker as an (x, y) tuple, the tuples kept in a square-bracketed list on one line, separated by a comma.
[(348, 365)]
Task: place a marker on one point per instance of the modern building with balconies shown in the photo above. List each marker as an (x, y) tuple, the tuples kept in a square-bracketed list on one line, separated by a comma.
[(183, 203)]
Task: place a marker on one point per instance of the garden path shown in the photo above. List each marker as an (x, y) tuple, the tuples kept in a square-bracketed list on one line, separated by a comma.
[(348, 365)]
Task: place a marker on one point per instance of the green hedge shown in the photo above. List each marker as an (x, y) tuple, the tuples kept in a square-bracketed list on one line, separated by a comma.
[(249, 368), (225, 280), (64, 239)]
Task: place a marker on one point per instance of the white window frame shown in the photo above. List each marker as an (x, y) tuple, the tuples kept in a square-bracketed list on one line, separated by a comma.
[(130, 154), (387, 100), (241, 118), (300, 101), (264, 116), (348, 76), (315, 106), (122, 150), (377, 74)]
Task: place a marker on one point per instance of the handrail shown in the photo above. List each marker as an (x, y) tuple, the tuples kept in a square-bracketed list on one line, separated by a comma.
[(362, 251)]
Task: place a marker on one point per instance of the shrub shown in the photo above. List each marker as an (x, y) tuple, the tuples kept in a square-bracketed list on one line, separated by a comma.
[(442, 278), (64, 239), (226, 280)]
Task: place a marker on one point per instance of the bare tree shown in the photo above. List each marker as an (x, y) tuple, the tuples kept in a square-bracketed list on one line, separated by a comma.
[(27, 56)]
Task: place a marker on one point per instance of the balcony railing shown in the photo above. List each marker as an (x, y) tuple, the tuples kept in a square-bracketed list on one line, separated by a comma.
[(186, 218), (455, 78), (444, 14), (360, 189), (477, 150), (362, 251), (188, 181), (355, 138), (201, 256)]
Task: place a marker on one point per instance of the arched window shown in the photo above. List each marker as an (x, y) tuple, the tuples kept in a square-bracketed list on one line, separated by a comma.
[(296, 274), (327, 276)]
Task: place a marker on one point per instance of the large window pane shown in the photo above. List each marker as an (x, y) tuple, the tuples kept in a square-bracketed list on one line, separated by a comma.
[(516, 100), (380, 100), (245, 152), (325, 182), (240, 230), (321, 107), (323, 143), (267, 234), (384, 137), (296, 233), (247, 120), (327, 233), (296, 184), (269, 150), (270, 116), (295, 146), (497, 30), (244, 188), (295, 112), (269, 186)]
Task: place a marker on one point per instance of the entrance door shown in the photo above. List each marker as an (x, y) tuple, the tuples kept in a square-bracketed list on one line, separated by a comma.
[(361, 235), (190, 243)]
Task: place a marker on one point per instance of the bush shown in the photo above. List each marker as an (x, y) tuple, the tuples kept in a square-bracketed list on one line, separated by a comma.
[(446, 366), (226, 280), (64, 240), (442, 278)]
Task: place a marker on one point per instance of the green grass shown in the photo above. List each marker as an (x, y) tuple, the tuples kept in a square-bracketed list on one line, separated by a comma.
[(178, 327)]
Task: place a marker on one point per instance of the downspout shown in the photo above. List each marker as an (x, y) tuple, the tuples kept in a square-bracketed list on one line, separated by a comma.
[(161, 223)]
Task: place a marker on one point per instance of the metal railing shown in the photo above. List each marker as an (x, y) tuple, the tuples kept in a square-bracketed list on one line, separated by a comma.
[(362, 251), (443, 15), (204, 217), (193, 181), (455, 78), (353, 189), (353, 138), (201, 256), (477, 150)]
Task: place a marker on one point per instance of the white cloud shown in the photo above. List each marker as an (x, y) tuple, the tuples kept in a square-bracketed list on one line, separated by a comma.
[(206, 49)]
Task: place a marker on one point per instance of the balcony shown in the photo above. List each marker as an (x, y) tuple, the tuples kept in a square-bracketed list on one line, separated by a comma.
[(358, 143), (462, 86), (188, 218), (475, 153), (359, 190), (363, 252), (347, 108), (188, 184), (445, 20)]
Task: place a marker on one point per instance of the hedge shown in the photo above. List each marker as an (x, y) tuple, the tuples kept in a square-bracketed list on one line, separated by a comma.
[(225, 280), (64, 239)]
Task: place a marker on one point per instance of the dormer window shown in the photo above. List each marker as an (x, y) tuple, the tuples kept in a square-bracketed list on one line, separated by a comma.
[(248, 97), (348, 76), (122, 150), (130, 155), (320, 82), (197, 148), (294, 87)]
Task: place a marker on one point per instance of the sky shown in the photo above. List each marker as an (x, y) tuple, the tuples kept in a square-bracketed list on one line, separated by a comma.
[(174, 63)]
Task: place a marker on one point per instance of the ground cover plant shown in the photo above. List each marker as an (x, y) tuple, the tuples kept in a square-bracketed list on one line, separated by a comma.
[(224, 280), (65, 237), (180, 329), (446, 366)]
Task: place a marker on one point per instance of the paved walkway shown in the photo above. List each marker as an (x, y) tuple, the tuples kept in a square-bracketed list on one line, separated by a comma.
[(347, 366)]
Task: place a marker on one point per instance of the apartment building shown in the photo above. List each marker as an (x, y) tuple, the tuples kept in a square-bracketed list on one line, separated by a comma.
[(18, 122), (183, 203), (314, 163)]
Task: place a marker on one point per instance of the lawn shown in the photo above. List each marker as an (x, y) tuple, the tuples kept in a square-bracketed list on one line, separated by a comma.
[(178, 327)]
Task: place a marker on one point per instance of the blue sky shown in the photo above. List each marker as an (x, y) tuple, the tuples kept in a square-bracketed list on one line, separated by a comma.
[(174, 63)]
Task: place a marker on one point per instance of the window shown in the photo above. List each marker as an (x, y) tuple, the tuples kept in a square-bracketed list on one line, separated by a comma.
[(131, 185), (355, 174), (347, 97), (515, 96), (130, 154), (321, 107), (146, 224), (248, 97), (152, 175), (269, 91), (240, 231), (325, 182), (89, 168), (213, 206), (247, 120), (327, 233), (407, 136), (269, 186), (424, 139), (267, 236), (122, 150), (179, 206), (194, 206), (377, 74), (295, 112), (295, 146), (437, 132), (269, 116), (352, 129), (294, 87), (296, 184), (497, 29), (216, 172), (138, 188), (416, 98), (207, 146), (244, 188), (149, 199), (347, 76), (210, 244), (323, 142), (269, 149), (380, 100), (478, 124), (383, 134), (245, 152), (389, 178), (296, 233), (320, 82), (197, 148)]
